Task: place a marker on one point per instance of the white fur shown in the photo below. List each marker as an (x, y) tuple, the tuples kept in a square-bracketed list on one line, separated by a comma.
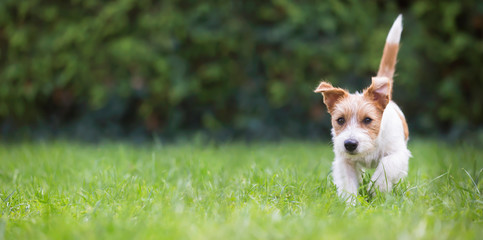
[(388, 153), (395, 33)]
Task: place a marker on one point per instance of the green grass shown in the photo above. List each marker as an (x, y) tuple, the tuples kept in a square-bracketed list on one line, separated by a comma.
[(63, 190)]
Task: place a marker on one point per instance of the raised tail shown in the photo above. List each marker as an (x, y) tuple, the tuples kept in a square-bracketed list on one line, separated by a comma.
[(389, 56)]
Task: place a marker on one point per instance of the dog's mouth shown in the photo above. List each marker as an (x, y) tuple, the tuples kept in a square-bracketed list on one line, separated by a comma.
[(353, 153)]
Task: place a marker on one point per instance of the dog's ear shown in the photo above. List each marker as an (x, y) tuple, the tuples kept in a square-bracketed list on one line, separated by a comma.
[(331, 94), (380, 91)]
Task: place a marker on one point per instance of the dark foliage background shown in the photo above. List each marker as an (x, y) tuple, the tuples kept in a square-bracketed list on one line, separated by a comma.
[(136, 68)]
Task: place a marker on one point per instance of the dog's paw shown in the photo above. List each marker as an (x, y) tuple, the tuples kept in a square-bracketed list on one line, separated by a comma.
[(349, 198)]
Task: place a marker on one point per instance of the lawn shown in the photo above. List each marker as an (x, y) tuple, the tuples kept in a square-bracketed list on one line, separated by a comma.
[(66, 190)]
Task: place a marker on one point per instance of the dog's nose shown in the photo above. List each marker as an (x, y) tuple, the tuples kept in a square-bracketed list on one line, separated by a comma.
[(350, 144)]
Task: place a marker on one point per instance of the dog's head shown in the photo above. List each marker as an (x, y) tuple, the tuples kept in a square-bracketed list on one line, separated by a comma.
[(356, 118)]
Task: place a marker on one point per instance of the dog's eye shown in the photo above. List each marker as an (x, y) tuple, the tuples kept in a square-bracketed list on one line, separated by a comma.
[(367, 120), (341, 121)]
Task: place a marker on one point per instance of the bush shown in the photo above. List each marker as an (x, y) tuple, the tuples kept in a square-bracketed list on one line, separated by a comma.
[(134, 67)]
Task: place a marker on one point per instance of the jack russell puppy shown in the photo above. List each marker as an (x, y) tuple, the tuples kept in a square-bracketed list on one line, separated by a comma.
[(368, 129)]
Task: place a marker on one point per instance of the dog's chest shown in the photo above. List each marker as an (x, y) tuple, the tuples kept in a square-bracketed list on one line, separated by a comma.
[(369, 161)]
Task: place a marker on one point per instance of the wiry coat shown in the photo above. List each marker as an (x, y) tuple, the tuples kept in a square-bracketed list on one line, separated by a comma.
[(369, 130)]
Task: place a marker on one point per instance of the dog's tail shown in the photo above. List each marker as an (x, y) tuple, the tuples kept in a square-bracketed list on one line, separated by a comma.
[(389, 57)]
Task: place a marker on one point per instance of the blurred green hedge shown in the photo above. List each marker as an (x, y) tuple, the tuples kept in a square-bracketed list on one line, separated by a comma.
[(117, 68)]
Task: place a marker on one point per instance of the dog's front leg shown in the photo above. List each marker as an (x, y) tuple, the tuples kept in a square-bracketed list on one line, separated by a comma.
[(390, 170), (346, 178)]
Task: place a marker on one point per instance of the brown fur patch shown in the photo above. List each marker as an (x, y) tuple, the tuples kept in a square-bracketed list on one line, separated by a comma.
[(357, 107), (388, 61), (380, 91), (331, 95), (369, 109), (343, 109), (405, 126)]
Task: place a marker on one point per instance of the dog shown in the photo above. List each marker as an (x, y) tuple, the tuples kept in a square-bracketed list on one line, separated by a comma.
[(368, 129)]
